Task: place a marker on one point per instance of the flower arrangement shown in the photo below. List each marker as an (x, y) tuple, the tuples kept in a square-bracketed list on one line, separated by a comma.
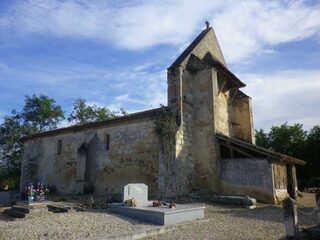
[(162, 203), (29, 192), (37, 194), (132, 202), (41, 190)]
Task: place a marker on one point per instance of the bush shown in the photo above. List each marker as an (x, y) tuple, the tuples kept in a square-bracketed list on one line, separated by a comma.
[(314, 182), (9, 182)]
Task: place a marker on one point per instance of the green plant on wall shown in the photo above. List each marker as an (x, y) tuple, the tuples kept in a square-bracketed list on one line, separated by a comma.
[(166, 126)]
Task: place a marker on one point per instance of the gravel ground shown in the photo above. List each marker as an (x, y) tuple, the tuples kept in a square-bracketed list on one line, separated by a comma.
[(63, 226), (224, 222), (227, 222)]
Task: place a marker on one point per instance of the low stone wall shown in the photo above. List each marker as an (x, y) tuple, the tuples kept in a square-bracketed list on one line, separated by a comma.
[(247, 176)]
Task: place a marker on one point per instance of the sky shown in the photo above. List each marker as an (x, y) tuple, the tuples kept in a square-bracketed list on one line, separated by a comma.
[(115, 53)]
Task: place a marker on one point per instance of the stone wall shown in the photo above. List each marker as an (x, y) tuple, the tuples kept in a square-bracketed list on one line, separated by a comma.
[(280, 181), (86, 163), (242, 122), (177, 179), (221, 111), (246, 176), (203, 128)]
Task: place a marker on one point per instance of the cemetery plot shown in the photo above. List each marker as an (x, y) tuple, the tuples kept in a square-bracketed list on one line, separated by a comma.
[(136, 205)]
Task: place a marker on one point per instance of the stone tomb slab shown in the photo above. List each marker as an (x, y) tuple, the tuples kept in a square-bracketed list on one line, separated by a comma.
[(161, 215), (24, 208), (137, 190)]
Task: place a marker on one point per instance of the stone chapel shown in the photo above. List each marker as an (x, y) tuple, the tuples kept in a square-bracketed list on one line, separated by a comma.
[(213, 151)]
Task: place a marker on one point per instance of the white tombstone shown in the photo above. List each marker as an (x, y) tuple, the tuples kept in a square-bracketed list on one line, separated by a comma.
[(139, 191)]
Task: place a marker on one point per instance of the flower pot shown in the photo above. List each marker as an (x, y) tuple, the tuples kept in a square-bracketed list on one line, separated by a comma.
[(40, 198), (30, 198)]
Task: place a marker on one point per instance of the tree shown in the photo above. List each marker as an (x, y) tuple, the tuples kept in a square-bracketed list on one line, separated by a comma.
[(294, 141), (83, 113), (287, 139), (262, 138), (11, 148), (312, 156), (41, 112)]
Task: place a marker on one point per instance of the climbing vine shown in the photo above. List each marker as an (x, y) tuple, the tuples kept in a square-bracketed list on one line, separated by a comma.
[(166, 125)]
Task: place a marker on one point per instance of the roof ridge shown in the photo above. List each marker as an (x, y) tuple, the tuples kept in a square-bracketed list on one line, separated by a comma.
[(131, 116)]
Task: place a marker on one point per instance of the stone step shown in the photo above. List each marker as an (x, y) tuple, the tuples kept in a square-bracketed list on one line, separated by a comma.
[(14, 213)]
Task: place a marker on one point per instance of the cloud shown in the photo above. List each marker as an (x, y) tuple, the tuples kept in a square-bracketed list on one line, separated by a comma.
[(144, 90), (243, 27), (3, 67), (290, 96), (255, 25), (136, 90)]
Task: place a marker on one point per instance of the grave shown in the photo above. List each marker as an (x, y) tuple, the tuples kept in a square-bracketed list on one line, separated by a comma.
[(162, 215), (24, 208), (139, 191), (245, 201)]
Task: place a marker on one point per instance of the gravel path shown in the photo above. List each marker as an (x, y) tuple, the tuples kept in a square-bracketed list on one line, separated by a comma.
[(265, 222), (73, 225), (224, 222)]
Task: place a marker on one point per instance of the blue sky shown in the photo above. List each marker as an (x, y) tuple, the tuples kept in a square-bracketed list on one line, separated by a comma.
[(115, 54)]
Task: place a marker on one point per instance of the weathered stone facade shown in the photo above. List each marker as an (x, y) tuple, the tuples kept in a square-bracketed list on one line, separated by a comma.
[(213, 149), (87, 164)]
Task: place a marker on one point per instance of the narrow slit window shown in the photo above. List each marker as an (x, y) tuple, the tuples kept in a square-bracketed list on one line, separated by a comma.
[(59, 148), (107, 141)]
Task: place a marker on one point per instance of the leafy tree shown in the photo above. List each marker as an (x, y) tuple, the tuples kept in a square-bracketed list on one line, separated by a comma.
[(41, 112), (262, 138), (294, 141), (287, 139), (11, 148), (10, 133), (83, 113), (311, 170)]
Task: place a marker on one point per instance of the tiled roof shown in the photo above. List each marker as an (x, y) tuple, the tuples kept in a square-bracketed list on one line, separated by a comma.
[(259, 150)]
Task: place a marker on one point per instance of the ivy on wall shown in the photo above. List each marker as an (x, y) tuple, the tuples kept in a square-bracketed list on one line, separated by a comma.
[(166, 126)]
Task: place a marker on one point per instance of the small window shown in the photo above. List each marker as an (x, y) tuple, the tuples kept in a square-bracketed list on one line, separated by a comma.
[(59, 148), (107, 141)]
